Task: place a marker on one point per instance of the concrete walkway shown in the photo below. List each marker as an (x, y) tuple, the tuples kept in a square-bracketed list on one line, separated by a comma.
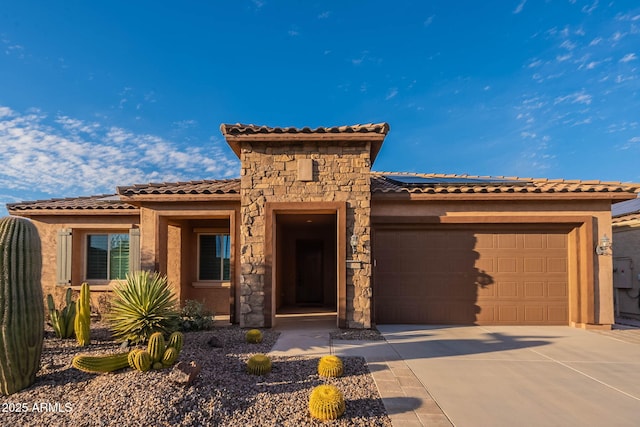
[(406, 400)]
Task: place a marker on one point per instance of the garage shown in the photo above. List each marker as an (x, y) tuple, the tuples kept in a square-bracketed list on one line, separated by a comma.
[(472, 274)]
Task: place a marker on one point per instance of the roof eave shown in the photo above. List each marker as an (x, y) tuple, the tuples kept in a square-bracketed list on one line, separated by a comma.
[(28, 213), (406, 195), (136, 198)]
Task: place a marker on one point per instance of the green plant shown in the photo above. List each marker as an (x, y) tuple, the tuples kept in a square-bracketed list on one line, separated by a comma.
[(326, 402), (62, 321), (156, 346), (253, 336), (142, 361), (195, 317), (143, 304), (170, 356), (176, 340), (259, 364), (157, 355), (21, 304), (330, 366), (83, 316), (109, 363)]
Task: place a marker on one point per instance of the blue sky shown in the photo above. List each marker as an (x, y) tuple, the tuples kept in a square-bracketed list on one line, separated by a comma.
[(99, 94)]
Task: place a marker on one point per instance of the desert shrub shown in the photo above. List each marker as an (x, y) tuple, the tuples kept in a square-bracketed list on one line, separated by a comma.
[(143, 304), (195, 317)]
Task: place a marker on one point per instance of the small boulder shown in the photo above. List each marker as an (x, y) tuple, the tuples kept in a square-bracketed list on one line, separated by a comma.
[(214, 342), (185, 373)]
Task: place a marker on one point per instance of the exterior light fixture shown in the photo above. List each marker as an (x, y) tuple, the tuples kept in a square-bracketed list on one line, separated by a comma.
[(604, 246), (354, 243)]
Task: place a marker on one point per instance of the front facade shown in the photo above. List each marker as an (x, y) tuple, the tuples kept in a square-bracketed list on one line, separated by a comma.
[(309, 226)]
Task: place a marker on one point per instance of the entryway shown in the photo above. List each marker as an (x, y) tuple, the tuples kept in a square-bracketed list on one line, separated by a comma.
[(306, 264)]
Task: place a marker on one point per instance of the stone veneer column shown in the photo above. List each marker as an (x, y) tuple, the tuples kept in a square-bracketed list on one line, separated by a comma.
[(275, 166)]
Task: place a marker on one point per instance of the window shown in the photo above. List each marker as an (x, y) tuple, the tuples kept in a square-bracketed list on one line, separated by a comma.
[(107, 256), (214, 257)]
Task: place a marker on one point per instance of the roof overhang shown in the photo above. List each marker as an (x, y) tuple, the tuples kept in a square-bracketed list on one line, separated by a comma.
[(237, 134)]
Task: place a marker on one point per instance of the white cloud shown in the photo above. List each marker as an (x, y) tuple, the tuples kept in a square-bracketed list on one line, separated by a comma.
[(590, 8), (519, 7), (635, 139), (574, 98), (595, 41), (324, 15), (68, 157), (629, 57), (391, 94), (429, 20)]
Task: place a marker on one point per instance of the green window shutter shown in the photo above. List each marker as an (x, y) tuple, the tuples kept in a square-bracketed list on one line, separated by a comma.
[(134, 250), (63, 257)]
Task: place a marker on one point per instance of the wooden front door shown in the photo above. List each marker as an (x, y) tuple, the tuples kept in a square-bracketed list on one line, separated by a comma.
[(309, 271)]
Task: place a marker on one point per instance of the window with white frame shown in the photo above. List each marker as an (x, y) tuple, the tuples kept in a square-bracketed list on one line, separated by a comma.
[(107, 256), (214, 257)]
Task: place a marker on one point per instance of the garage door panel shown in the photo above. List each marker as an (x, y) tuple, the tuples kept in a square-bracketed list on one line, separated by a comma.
[(438, 277)]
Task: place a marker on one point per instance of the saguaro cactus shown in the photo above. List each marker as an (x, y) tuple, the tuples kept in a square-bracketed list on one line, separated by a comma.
[(83, 316), (21, 304)]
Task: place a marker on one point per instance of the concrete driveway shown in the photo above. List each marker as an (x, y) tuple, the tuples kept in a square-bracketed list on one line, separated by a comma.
[(525, 376)]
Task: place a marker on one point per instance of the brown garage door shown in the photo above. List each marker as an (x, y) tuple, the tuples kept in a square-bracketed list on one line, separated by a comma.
[(478, 276)]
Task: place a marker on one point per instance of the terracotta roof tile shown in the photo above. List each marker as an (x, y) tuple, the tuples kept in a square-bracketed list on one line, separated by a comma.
[(249, 129), (224, 186), (381, 183), (616, 220), (108, 202)]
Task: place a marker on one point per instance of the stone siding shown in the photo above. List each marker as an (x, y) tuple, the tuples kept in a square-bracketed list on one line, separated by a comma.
[(269, 173)]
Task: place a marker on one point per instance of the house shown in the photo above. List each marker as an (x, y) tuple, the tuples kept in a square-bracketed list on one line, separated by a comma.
[(309, 224), (626, 256)]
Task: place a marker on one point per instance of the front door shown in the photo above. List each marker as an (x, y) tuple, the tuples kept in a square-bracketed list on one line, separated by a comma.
[(309, 272)]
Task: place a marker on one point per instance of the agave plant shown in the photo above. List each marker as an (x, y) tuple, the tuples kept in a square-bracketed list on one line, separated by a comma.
[(143, 304)]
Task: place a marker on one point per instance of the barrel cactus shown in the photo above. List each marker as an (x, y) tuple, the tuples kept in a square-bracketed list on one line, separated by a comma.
[(156, 346), (253, 336), (142, 361), (330, 366), (21, 304), (83, 316), (170, 356), (176, 340), (326, 402), (259, 364)]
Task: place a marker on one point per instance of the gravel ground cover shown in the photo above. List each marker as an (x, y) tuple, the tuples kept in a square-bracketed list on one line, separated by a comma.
[(222, 395)]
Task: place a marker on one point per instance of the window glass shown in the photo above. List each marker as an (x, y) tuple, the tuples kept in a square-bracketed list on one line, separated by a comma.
[(118, 256), (214, 257), (107, 256)]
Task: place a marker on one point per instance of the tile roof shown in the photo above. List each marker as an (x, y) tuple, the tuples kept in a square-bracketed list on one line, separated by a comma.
[(452, 184), (223, 186), (248, 129), (380, 183), (105, 202)]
